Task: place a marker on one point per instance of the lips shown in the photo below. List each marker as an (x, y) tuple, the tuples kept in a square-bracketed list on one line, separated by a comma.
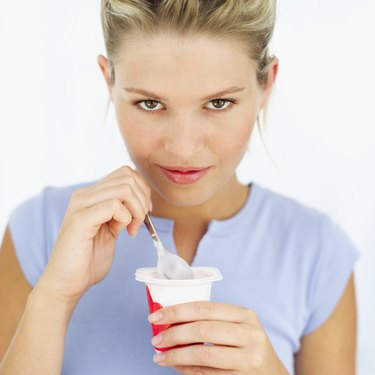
[(185, 169), (184, 175)]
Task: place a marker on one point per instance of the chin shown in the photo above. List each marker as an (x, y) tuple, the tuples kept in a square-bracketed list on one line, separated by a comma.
[(185, 197)]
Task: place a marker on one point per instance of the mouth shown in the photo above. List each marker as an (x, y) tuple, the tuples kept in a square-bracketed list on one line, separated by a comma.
[(184, 175)]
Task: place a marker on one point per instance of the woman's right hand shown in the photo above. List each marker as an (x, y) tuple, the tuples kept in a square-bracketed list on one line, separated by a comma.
[(84, 249)]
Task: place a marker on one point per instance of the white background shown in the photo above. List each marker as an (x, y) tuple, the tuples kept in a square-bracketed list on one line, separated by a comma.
[(321, 124)]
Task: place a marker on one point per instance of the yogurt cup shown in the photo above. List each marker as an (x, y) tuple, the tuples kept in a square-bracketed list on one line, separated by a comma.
[(164, 292)]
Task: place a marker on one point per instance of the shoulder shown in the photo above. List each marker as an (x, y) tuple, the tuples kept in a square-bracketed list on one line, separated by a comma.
[(34, 225), (317, 253), (51, 202), (56, 198), (287, 210), (295, 221)]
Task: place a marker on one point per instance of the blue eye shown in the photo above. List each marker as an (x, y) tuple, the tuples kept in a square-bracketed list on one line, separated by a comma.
[(149, 105)]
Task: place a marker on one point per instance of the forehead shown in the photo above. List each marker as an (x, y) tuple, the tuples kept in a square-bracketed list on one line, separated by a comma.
[(182, 62)]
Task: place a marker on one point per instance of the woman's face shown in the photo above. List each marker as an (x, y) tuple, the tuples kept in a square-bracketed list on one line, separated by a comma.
[(186, 103)]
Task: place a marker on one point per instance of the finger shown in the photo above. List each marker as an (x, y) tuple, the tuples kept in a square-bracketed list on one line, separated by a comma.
[(123, 191), (88, 222), (145, 198), (214, 332), (116, 227), (200, 370), (203, 310), (127, 170), (89, 196), (125, 194), (220, 357)]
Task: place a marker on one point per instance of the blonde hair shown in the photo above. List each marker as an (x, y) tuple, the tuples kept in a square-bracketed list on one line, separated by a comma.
[(249, 21)]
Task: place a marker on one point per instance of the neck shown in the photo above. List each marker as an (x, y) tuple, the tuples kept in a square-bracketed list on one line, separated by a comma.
[(222, 205)]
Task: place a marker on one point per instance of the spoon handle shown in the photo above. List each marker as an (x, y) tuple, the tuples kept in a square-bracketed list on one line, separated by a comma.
[(151, 228)]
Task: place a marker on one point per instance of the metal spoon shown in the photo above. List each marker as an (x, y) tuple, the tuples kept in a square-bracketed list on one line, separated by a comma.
[(170, 266)]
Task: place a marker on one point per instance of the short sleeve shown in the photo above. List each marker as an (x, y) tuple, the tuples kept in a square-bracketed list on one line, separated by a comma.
[(27, 228), (338, 256)]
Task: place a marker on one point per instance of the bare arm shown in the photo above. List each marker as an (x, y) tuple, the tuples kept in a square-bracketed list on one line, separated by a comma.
[(38, 345), (14, 291), (38, 342), (81, 257), (330, 349)]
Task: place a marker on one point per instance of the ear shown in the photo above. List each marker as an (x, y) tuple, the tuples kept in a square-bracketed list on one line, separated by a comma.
[(104, 67), (271, 78)]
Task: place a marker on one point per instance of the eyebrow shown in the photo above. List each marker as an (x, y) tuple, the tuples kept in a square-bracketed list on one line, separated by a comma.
[(151, 95)]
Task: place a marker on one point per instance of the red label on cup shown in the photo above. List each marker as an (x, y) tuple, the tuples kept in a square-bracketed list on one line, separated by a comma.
[(154, 306), (157, 328)]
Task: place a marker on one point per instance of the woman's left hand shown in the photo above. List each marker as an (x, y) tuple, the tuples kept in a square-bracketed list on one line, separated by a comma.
[(239, 342)]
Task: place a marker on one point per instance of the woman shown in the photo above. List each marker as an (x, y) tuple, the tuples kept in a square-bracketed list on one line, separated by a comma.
[(188, 80)]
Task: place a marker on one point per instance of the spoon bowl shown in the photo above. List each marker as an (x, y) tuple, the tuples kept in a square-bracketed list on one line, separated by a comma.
[(169, 266)]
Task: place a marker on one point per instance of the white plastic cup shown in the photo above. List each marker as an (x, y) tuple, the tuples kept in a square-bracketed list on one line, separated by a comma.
[(164, 292)]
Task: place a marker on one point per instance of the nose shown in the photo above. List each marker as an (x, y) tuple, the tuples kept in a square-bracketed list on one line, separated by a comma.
[(185, 137)]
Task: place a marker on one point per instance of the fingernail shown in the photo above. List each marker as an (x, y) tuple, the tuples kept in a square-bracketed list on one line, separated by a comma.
[(156, 340), (155, 317), (133, 232), (150, 206), (159, 357)]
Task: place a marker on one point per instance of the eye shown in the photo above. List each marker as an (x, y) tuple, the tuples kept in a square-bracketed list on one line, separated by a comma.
[(149, 105), (221, 104)]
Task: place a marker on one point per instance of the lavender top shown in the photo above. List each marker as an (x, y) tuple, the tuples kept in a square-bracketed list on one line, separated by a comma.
[(287, 262)]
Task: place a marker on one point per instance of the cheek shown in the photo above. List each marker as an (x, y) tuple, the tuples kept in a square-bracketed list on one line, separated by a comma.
[(233, 132), (137, 136), (232, 143), (139, 144)]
